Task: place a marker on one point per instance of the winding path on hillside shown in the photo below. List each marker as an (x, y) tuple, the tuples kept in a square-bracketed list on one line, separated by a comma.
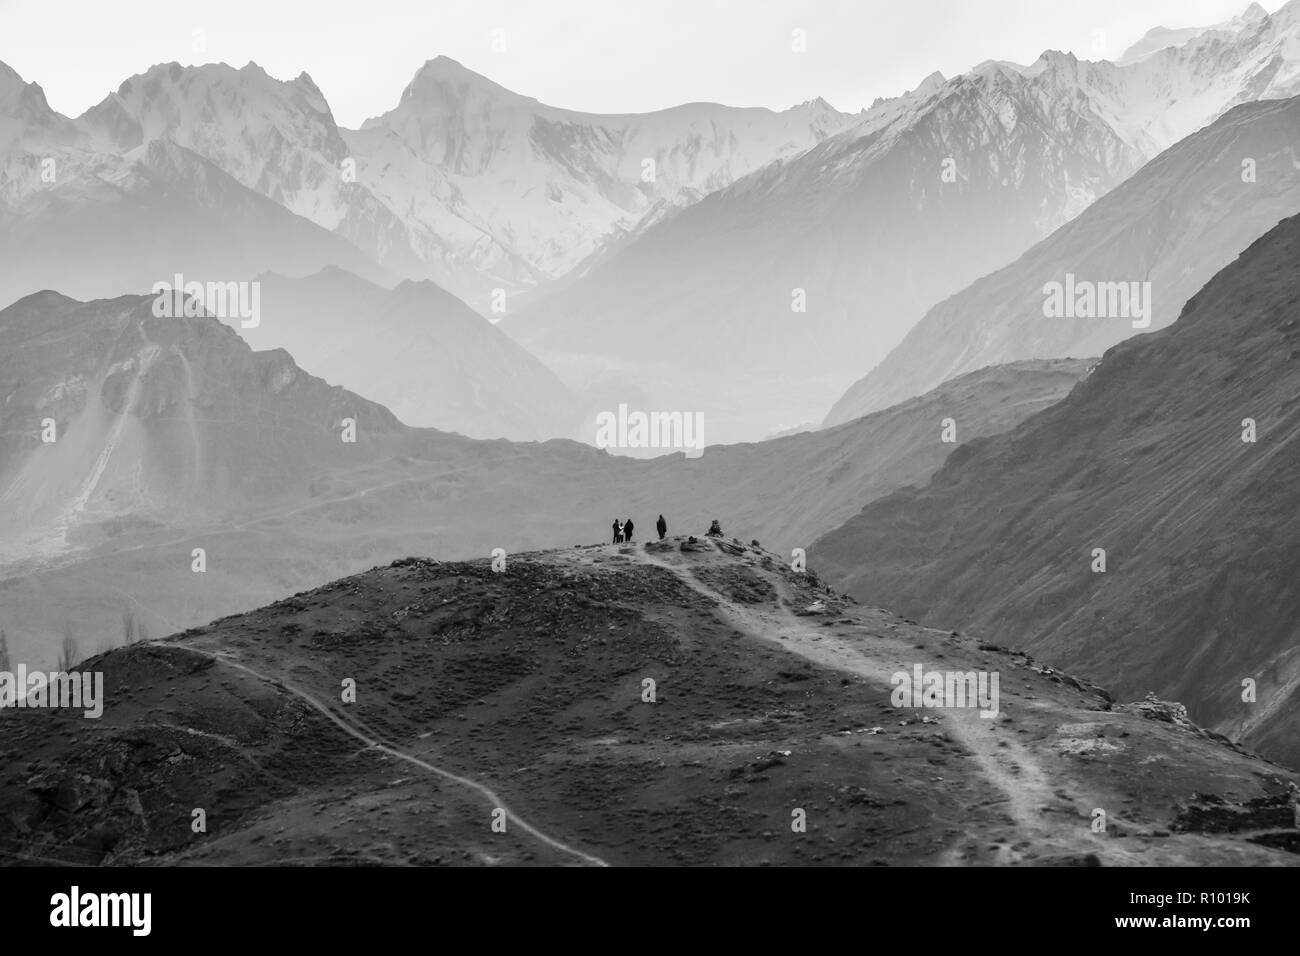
[(1010, 767), (352, 728)]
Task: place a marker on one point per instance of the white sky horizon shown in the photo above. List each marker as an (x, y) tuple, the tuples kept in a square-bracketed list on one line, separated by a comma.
[(585, 55)]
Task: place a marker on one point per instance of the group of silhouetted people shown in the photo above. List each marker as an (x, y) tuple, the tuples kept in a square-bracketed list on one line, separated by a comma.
[(623, 529)]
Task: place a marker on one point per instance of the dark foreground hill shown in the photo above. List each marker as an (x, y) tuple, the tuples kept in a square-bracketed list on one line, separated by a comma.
[(1147, 460), (525, 691)]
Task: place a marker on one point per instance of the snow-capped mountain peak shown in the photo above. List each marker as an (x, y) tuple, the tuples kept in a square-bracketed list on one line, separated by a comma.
[(501, 190)]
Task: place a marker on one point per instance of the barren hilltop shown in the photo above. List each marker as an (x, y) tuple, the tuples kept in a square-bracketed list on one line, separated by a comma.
[(520, 696)]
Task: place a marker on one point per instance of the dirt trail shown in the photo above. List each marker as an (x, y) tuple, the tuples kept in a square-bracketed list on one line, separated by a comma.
[(352, 728), (1010, 767)]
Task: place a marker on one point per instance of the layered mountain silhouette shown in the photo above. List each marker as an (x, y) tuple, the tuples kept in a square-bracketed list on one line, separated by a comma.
[(1179, 220), (173, 434), (787, 491), (417, 350), (687, 243), (666, 703), (160, 418), (1177, 457), (810, 270)]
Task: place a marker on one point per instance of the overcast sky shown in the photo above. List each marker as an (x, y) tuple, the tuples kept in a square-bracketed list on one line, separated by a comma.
[(601, 56)]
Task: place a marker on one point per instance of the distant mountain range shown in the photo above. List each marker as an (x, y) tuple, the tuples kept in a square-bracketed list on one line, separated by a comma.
[(1179, 457), (759, 304), (783, 254), (462, 182)]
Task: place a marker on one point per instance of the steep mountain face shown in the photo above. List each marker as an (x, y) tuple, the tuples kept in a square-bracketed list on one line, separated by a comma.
[(867, 231), (1174, 224), (173, 434), (417, 350), (767, 692), (1146, 460), (109, 225)]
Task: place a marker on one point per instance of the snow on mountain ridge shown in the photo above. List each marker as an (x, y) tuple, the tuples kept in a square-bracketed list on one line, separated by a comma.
[(31, 133), (467, 160), (273, 136), (1161, 38), (481, 188), (911, 203), (464, 181)]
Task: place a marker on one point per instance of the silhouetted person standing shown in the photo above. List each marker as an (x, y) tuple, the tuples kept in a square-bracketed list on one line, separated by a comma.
[(627, 530), (662, 527), (618, 531)]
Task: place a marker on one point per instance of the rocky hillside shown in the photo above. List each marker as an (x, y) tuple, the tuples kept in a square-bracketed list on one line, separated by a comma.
[(690, 702)]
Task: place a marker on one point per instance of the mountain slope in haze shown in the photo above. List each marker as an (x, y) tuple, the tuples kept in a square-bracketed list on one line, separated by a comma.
[(173, 434), (806, 273), (860, 232), (1175, 223), (524, 691), (116, 225), (1146, 460), (417, 350), (788, 491), (1162, 38), (158, 419)]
